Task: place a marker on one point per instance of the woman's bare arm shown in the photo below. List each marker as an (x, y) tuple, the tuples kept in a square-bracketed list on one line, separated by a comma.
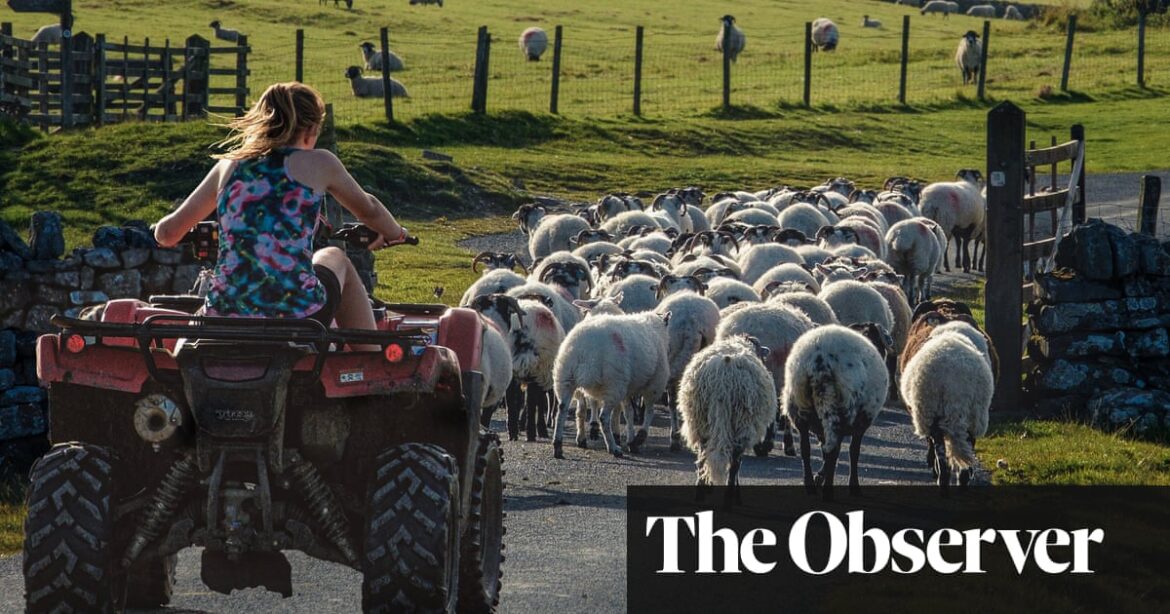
[(169, 230), (365, 206)]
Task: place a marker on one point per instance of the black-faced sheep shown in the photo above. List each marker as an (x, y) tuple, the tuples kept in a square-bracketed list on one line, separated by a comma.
[(371, 87), (968, 56), (736, 39), (824, 34), (374, 59), (959, 208), (225, 34)]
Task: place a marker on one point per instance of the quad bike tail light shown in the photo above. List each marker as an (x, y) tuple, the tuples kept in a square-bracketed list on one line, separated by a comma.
[(394, 353), (74, 342)]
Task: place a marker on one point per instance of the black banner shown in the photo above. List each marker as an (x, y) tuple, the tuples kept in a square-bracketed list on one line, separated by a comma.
[(900, 549)]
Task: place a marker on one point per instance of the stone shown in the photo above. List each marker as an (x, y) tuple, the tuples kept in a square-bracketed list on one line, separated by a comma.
[(1086, 249), (1082, 377), (102, 258), (10, 241), (1137, 287), (7, 348), (1140, 412), (15, 296), (7, 379), (1138, 312), (157, 278), (121, 284), (12, 319), (88, 297), (26, 343), (1080, 345), (43, 266), (85, 276), (1148, 344), (135, 257), (18, 455), (51, 294), (1065, 286), (138, 235), (69, 279), (38, 316), (167, 255), (1152, 257), (22, 394), (26, 373), (23, 420), (45, 237), (185, 277), (10, 261), (73, 312), (109, 237)]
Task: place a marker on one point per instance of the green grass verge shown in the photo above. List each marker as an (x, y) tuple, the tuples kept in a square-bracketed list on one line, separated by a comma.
[(1064, 452), (11, 517)]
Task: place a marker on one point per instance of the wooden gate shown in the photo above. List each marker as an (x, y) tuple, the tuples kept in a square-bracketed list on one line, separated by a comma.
[(1016, 255)]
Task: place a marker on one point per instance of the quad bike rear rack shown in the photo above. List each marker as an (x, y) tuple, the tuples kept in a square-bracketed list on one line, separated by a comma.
[(150, 332)]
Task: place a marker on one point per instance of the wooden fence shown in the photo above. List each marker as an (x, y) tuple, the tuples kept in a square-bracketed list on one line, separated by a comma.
[(116, 81), (1015, 254)]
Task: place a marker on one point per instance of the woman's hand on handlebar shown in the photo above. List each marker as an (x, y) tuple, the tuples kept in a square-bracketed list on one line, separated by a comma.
[(404, 237)]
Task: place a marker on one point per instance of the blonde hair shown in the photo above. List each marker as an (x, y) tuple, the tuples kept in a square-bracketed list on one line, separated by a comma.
[(282, 113)]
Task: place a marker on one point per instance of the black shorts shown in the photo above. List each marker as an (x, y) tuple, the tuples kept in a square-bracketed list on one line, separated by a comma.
[(326, 277)]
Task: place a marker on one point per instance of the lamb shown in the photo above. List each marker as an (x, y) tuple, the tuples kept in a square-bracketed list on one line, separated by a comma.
[(968, 55), (947, 388), (856, 303), (986, 11), (495, 281), (726, 292), (1011, 12), (824, 34), (959, 208), (759, 259), (375, 59), (225, 34), (547, 234), (866, 22), (735, 40), (371, 87), (693, 321), (945, 7), (912, 249), (49, 35), (727, 400), (533, 43), (835, 384), (777, 327), (612, 359)]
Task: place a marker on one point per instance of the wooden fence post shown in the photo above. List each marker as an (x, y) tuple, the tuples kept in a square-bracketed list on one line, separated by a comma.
[(983, 58), (126, 78), (726, 66), (807, 63), (386, 92), (1068, 49), (1003, 294), (478, 78), (168, 88), (300, 74), (905, 59), (1141, 48), (144, 110), (1148, 197), (196, 76), (1077, 133), (242, 75), (99, 85), (66, 78), (555, 94), (638, 72), (487, 62)]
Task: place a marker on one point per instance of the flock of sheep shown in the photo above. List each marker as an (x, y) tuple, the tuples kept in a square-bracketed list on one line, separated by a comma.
[(749, 314)]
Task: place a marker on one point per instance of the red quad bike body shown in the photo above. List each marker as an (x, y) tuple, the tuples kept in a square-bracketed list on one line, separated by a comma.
[(249, 436)]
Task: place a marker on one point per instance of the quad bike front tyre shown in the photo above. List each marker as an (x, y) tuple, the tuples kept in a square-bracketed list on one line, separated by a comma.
[(483, 541), (410, 559), (70, 560), (151, 582)]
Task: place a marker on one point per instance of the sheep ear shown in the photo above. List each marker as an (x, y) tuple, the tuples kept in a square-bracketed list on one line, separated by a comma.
[(822, 269), (617, 298), (665, 317)]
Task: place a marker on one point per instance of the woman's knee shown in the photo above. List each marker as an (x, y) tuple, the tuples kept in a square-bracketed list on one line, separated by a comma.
[(329, 255)]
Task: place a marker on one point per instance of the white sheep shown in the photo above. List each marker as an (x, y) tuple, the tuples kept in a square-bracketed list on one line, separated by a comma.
[(725, 292), (546, 233), (803, 217), (945, 7), (986, 11), (675, 208), (374, 59), (496, 365), (856, 303), (638, 293), (757, 260), (912, 249), (968, 55), (817, 310), (813, 254), (977, 338), (619, 202), (620, 224), (225, 34), (693, 320), (371, 87), (959, 208), (495, 281), (777, 327), (751, 216), (947, 387), (533, 43), (727, 400), (835, 384), (824, 34), (866, 22), (49, 35), (567, 271), (787, 272), (736, 39), (854, 251), (554, 297), (612, 359), (893, 212), (1011, 12)]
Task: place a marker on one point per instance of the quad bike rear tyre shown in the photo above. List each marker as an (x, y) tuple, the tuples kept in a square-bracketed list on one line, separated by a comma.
[(411, 548), (483, 542), (70, 560), (151, 582)]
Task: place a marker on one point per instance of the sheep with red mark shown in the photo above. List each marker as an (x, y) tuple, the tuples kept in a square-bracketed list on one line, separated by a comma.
[(612, 359), (959, 208)]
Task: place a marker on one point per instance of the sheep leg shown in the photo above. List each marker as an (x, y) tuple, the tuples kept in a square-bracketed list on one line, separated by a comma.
[(543, 407), (675, 436), (940, 461), (859, 429), (514, 401), (733, 495), (946, 255), (763, 447), (789, 449), (485, 417), (607, 411), (930, 462), (825, 477), (966, 474), (559, 428), (531, 394), (805, 456), (549, 413), (636, 440), (582, 416)]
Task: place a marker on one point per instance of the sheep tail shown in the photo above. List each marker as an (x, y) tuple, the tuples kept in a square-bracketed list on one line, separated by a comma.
[(960, 452)]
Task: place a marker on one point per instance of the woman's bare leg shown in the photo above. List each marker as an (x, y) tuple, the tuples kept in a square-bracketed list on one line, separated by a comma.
[(353, 310)]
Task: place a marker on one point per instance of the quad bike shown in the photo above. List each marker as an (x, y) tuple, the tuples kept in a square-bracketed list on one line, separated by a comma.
[(248, 437)]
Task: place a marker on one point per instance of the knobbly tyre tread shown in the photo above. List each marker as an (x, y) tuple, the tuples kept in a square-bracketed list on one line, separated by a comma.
[(151, 582), (411, 528), (479, 588), (69, 559)]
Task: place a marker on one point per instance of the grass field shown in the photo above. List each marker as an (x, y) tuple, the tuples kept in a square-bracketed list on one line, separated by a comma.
[(681, 72)]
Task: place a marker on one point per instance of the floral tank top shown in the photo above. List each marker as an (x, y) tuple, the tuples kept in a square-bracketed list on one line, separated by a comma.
[(266, 225)]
